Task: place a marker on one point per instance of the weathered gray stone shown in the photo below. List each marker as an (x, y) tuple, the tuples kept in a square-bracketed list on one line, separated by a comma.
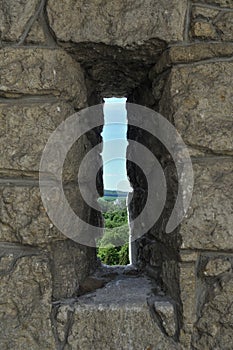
[(71, 264), (216, 267), (187, 282), (205, 30), (117, 23), (114, 317), (165, 310), (225, 26), (14, 17), (25, 130), (24, 219), (213, 329), (221, 3), (36, 34), (205, 25), (201, 111), (187, 285), (206, 12), (209, 221), (41, 71), (26, 305), (191, 53)]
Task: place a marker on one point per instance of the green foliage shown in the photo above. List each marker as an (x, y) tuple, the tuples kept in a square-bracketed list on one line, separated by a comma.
[(115, 218), (113, 246), (109, 255), (116, 236), (124, 255)]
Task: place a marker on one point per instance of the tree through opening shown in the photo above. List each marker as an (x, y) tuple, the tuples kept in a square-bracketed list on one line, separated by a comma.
[(114, 245)]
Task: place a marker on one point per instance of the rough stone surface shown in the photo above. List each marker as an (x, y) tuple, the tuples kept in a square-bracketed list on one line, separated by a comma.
[(117, 23), (187, 285), (71, 263), (25, 130), (24, 219), (191, 53), (25, 306), (203, 117), (206, 25), (205, 30), (39, 71), (14, 17), (208, 224), (112, 48), (116, 316), (36, 34), (165, 310), (213, 330), (220, 3), (216, 267)]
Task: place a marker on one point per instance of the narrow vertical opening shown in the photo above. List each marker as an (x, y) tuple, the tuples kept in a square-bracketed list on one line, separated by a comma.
[(114, 245)]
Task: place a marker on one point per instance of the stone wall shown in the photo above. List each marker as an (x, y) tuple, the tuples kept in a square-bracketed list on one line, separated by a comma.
[(58, 57)]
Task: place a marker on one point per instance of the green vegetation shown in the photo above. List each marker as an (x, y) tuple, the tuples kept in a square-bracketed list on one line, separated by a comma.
[(113, 246)]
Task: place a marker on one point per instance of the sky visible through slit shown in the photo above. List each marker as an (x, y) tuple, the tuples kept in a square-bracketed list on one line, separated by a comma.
[(114, 171)]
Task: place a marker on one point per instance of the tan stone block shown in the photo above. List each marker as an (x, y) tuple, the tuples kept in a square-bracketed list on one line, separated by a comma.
[(117, 23), (199, 100), (71, 264), (213, 330), (220, 3), (203, 29), (23, 217), (121, 307), (191, 53), (36, 34), (208, 13), (188, 292), (217, 266), (24, 132), (188, 256), (14, 16), (209, 221), (225, 26), (41, 71), (25, 293)]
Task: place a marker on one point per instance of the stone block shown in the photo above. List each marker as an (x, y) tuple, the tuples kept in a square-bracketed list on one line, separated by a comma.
[(119, 23), (208, 23), (25, 290), (71, 263), (23, 216), (213, 329), (220, 3), (209, 221), (217, 266), (41, 71), (114, 317), (165, 310), (190, 53), (187, 282), (198, 99), (25, 130), (14, 17), (36, 35)]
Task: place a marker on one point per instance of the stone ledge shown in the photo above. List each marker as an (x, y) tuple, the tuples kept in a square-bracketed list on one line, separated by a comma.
[(190, 53), (117, 317)]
